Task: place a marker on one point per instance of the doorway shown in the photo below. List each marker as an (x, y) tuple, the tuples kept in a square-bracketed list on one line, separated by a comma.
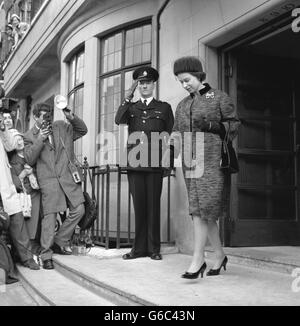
[(263, 78)]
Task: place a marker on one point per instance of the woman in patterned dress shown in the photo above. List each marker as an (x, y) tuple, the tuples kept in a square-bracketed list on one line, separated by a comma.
[(201, 120)]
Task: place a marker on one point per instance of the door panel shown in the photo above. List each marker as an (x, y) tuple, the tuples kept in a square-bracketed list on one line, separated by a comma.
[(264, 194)]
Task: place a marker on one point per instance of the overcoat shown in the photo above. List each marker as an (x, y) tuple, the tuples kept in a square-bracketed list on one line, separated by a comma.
[(201, 153), (54, 177)]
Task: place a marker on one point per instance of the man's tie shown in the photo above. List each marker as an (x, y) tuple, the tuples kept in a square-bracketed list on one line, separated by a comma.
[(145, 102)]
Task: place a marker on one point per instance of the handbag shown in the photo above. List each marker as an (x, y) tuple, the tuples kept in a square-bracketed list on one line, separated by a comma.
[(90, 205), (229, 162), (25, 201)]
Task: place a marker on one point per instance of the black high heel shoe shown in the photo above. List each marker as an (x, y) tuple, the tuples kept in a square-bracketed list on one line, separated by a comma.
[(196, 274), (213, 272)]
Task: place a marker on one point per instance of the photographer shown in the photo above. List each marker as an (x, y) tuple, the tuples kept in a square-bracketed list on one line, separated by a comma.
[(49, 147)]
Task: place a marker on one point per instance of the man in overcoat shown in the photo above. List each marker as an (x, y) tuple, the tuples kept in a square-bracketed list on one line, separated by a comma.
[(144, 118), (51, 152)]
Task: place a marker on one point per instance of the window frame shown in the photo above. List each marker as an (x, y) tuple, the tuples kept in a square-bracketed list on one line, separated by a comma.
[(72, 91), (123, 67)]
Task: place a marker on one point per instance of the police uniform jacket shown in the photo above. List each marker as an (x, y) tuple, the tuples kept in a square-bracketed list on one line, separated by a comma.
[(157, 117)]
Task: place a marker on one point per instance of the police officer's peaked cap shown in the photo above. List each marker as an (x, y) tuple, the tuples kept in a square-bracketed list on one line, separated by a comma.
[(145, 73), (187, 64)]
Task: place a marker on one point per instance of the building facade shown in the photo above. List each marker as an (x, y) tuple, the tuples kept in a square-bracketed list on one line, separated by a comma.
[(87, 50)]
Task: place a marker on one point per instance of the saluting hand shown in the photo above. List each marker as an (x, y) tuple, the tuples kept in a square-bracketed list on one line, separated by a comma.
[(131, 90)]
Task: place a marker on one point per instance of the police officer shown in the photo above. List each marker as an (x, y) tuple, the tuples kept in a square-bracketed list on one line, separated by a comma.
[(146, 119)]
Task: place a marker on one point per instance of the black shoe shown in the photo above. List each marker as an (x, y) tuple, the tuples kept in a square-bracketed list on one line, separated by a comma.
[(156, 256), (131, 255), (196, 274), (30, 263), (213, 272), (11, 280), (48, 264), (61, 250)]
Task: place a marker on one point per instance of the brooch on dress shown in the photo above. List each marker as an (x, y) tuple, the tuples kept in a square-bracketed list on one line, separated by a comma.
[(210, 95)]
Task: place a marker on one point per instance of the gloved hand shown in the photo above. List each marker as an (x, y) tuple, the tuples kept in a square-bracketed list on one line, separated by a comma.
[(209, 126), (201, 123), (131, 90)]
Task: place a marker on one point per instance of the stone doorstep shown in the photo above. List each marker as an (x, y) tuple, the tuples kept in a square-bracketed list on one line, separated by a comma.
[(39, 286), (113, 294), (267, 258)]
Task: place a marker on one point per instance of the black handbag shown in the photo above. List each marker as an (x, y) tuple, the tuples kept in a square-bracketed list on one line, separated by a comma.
[(229, 162), (90, 205)]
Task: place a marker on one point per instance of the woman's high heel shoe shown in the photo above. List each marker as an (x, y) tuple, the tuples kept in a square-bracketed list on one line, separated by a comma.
[(213, 272), (196, 274)]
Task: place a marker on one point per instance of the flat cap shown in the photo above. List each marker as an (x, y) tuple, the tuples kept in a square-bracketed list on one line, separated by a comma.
[(145, 73)]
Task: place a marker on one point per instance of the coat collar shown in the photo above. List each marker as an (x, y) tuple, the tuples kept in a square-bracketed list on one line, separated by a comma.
[(151, 105), (204, 90)]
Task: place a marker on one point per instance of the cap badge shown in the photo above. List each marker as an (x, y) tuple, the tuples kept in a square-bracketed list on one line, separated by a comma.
[(145, 73)]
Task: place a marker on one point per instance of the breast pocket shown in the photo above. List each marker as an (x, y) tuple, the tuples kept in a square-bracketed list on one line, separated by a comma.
[(157, 122)]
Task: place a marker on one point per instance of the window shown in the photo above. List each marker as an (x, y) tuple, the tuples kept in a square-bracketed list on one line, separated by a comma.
[(75, 95), (121, 53), (25, 11)]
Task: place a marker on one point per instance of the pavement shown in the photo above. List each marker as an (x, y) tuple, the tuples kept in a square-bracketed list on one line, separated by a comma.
[(15, 295), (104, 278)]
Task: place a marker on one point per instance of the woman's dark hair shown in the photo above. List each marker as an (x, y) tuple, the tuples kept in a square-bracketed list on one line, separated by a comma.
[(191, 65)]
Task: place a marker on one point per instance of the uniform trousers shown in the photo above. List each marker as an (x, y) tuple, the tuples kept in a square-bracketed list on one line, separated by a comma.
[(145, 188), (65, 232)]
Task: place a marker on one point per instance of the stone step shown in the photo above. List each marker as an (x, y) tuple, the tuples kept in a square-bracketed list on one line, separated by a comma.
[(51, 288), (86, 271), (158, 283), (277, 259)]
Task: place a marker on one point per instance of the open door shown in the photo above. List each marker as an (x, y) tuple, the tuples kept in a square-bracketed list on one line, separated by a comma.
[(264, 206)]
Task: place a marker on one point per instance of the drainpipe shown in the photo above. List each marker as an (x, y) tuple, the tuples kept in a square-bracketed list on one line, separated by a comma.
[(162, 8)]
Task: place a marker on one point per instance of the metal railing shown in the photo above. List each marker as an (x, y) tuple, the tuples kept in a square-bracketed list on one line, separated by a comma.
[(113, 226)]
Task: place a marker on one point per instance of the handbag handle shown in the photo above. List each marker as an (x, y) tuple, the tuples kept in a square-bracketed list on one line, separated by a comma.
[(23, 187), (64, 147)]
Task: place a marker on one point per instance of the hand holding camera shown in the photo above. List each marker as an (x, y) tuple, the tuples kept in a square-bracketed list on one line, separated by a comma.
[(46, 127)]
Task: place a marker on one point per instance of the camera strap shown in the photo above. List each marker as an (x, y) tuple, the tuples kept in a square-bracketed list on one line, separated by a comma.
[(64, 147)]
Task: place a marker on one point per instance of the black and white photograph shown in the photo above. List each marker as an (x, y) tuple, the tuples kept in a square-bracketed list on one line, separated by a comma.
[(149, 155)]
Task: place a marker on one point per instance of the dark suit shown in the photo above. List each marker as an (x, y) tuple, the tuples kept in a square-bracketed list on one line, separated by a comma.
[(58, 189), (145, 180)]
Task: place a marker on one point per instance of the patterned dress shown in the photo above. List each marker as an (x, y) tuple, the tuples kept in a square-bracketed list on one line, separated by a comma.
[(201, 151)]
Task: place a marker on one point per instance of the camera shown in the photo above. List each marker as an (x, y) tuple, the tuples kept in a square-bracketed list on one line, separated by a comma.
[(47, 122)]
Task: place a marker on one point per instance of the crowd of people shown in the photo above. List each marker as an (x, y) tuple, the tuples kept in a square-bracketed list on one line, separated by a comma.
[(39, 164), (15, 31)]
